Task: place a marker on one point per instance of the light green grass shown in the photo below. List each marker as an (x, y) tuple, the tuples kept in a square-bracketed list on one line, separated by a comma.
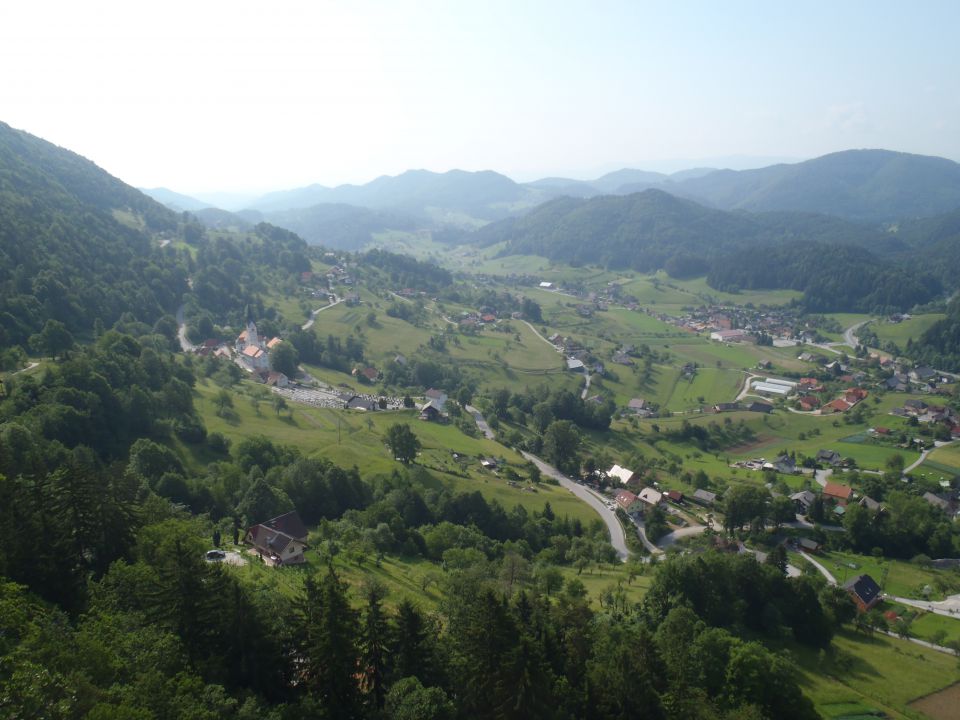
[(879, 672), (350, 438), (896, 577), (901, 332)]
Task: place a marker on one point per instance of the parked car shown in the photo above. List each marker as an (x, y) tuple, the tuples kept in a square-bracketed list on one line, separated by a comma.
[(215, 555)]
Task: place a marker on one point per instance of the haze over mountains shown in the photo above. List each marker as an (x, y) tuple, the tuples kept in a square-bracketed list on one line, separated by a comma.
[(913, 258), (866, 186)]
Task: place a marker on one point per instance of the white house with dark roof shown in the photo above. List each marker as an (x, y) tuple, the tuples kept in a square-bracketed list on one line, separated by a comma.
[(281, 540)]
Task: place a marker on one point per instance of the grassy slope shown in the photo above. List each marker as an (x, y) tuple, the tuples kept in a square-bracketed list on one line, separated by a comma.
[(900, 332), (315, 432), (876, 673)]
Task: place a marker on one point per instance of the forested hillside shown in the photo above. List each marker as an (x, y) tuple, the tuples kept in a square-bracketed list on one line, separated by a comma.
[(77, 246), (827, 258), (863, 185)]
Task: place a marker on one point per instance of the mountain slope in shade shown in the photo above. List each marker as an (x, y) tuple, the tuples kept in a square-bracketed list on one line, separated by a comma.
[(861, 185)]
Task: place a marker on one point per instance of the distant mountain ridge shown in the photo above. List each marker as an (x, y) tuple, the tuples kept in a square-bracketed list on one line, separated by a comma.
[(861, 185), (486, 195)]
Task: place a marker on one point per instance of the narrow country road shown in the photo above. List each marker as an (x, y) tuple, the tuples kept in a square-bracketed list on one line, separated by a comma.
[(849, 335), (185, 344), (537, 333), (586, 386), (617, 537), (822, 570), (313, 315), (481, 423)]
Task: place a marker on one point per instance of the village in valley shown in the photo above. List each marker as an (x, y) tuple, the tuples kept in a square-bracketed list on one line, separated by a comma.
[(864, 413)]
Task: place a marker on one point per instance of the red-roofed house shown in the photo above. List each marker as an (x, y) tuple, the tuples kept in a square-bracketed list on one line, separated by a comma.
[(839, 492), (809, 403), (855, 395), (625, 499), (837, 406)]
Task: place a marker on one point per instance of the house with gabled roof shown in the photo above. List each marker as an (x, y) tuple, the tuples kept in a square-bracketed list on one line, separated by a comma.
[(622, 474), (280, 540), (650, 496), (864, 591), (839, 492), (704, 497)]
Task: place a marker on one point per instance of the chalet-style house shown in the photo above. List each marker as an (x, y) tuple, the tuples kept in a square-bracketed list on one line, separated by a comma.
[(802, 501), (864, 591), (830, 457), (280, 541)]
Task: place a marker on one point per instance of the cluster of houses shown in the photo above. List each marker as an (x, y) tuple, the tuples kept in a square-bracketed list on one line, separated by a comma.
[(930, 414), (850, 398), (732, 323), (635, 504), (479, 318), (252, 350)]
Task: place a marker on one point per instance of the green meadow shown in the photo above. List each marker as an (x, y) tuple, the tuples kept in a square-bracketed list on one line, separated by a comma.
[(351, 438)]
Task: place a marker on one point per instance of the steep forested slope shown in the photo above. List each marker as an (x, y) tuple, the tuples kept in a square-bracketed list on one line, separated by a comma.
[(76, 244)]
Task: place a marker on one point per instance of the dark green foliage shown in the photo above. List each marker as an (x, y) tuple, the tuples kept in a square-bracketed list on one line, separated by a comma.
[(284, 358), (328, 647), (403, 443), (832, 278), (336, 225), (65, 257), (652, 230), (404, 271)]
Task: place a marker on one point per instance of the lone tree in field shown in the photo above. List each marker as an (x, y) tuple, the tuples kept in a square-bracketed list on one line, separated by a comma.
[(403, 443)]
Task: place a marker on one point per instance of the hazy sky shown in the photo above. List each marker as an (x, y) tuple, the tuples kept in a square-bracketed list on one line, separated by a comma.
[(237, 95)]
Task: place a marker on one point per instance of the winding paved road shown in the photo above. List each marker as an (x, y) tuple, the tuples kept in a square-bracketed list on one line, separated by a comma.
[(617, 537)]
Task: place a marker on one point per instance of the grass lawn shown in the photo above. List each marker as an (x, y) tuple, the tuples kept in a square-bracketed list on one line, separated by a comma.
[(877, 673), (349, 438), (901, 332), (895, 577), (947, 455)]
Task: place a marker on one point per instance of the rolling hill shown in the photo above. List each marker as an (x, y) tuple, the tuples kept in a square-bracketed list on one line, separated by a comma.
[(862, 185), (482, 195), (653, 229)]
